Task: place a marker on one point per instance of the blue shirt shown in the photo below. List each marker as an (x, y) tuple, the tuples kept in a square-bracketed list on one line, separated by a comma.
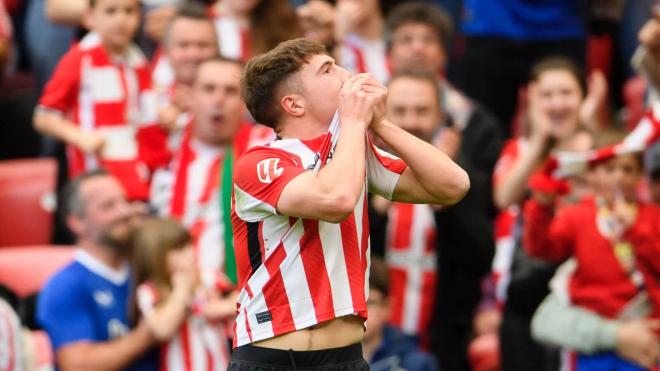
[(87, 301), (399, 351), (525, 20)]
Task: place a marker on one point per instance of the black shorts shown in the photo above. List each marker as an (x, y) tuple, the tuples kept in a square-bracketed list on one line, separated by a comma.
[(252, 358)]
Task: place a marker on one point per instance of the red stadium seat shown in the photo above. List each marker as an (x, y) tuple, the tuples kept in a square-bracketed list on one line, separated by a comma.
[(484, 353), (25, 270), (27, 196)]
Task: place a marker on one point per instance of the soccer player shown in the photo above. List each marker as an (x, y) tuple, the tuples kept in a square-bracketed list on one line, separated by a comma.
[(302, 236)]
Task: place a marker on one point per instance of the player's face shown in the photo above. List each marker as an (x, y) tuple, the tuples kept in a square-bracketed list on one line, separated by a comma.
[(560, 97), (379, 313), (116, 21), (416, 47), (413, 105), (107, 218), (620, 175), (190, 41), (321, 80), (217, 103)]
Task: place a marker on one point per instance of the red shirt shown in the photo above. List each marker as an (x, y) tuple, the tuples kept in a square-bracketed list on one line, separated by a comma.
[(599, 283)]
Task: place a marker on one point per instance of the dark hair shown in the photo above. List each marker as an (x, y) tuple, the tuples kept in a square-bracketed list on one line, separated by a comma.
[(379, 276), (422, 76), (420, 12), (72, 203), (265, 74), (559, 63), (190, 10)]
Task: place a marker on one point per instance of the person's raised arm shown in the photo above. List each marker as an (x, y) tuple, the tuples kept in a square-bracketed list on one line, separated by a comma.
[(513, 185), (332, 193), (56, 125), (107, 356)]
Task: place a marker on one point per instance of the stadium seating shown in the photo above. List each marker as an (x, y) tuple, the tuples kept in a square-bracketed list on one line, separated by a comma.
[(27, 196), (25, 270)]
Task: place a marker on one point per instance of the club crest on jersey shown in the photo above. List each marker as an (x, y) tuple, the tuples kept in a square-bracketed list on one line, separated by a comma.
[(267, 170)]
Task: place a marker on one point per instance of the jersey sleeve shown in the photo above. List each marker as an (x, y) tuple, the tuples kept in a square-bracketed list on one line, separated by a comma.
[(259, 179), (383, 171), (63, 311), (61, 91)]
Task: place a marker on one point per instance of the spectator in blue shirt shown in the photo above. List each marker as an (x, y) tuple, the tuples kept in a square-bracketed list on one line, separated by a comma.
[(84, 307)]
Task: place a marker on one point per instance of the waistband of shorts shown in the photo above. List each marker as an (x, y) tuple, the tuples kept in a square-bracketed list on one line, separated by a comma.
[(307, 358)]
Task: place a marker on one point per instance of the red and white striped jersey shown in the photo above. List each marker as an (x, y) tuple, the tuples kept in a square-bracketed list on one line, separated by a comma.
[(411, 257), (189, 190), (198, 346), (111, 96), (358, 56), (294, 272), (233, 39)]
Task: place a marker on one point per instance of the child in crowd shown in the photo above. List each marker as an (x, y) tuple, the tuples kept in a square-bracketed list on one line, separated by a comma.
[(185, 311), (615, 240), (99, 101)]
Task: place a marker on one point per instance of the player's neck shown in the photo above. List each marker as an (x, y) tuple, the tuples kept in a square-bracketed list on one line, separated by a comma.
[(302, 130), (105, 255)]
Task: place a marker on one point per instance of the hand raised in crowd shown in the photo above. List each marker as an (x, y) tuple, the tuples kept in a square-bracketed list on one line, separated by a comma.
[(156, 21), (637, 342), (540, 125), (219, 307), (90, 142), (358, 99), (595, 101), (167, 117), (317, 21)]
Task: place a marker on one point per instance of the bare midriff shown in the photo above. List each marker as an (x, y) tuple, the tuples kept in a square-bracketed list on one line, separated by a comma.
[(338, 332)]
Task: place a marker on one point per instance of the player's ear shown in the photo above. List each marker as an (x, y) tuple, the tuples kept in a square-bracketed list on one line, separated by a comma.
[(293, 104)]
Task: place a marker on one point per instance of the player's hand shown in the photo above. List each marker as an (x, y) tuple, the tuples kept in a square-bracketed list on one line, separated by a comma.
[(637, 342), (379, 91), (357, 101), (90, 142)]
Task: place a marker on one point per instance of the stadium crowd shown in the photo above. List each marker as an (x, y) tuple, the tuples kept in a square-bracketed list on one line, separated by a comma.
[(550, 261)]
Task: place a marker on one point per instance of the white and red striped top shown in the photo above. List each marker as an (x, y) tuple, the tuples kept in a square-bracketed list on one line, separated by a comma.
[(198, 346), (111, 96), (411, 258), (294, 272), (189, 190), (233, 38), (358, 56)]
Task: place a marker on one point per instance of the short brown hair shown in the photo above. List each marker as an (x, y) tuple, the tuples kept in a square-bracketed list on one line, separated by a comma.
[(190, 10), (422, 76), (265, 74), (420, 12), (559, 63)]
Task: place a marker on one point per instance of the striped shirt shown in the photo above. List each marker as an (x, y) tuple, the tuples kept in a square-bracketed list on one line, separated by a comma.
[(295, 273), (111, 96), (198, 346), (411, 257)]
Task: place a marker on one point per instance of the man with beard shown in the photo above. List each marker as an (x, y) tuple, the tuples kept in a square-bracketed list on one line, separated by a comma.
[(84, 307)]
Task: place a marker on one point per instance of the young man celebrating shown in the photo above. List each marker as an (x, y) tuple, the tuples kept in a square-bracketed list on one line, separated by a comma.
[(302, 236)]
